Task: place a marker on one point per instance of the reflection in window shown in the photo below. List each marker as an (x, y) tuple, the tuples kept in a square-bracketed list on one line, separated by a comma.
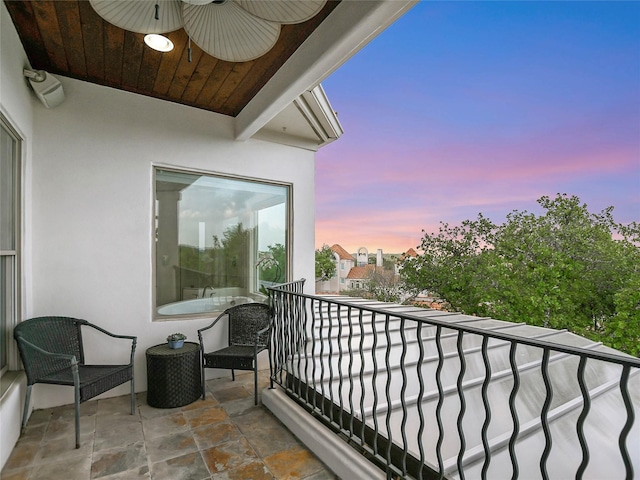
[(219, 241)]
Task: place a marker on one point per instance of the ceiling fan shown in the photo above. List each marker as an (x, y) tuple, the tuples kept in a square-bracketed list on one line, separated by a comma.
[(231, 30)]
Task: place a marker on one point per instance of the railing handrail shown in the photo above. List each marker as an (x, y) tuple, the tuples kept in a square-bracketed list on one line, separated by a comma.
[(324, 382), (620, 359)]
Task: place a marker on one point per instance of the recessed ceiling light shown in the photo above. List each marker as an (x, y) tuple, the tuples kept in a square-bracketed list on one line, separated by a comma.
[(158, 42)]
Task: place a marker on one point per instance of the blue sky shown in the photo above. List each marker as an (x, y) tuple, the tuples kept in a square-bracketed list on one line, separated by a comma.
[(467, 107)]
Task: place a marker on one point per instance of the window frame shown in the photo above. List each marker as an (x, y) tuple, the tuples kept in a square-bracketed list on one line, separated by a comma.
[(155, 167), (14, 311)]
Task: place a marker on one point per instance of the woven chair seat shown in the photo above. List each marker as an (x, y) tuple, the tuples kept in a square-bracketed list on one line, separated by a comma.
[(94, 379), (249, 329), (239, 357)]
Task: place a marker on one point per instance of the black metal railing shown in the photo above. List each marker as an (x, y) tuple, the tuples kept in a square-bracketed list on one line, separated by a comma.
[(429, 394)]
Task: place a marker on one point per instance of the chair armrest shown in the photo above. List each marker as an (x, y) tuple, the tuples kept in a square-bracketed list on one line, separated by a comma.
[(134, 339), (207, 328), (260, 332), (42, 362), (27, 344)]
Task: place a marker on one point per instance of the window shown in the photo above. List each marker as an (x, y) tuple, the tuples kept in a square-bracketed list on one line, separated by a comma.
[(9, 228), (219, 241)]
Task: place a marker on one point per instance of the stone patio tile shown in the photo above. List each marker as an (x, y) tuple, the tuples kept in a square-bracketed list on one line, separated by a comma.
[(118, 460), (295, 463), (147, 411), (69, 411), (206, 416), (21, 474), (240, 407), (141, 473), (33, 434), (208, 402), (165, 425), (39, 417), (22, 456), (186, 467), (229, 455), (254, 471), (115, 405), (214, 434), (118, 434), (234, 392), (65, 430), (265, 433), (169, 446), (77, 468), (63, 449)]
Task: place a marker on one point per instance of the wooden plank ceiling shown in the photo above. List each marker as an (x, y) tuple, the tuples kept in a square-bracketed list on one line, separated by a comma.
[(69, 38)]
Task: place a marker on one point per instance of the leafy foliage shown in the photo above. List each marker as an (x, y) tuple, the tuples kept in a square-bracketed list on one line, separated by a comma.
[(567, 268), (382, 284), (325, 264)]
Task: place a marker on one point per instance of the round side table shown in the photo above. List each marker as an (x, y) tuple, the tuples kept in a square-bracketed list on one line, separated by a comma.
[(173, 375)]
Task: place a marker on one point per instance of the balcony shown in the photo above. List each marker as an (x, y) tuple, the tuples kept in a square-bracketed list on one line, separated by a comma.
[(430, 394), (385, 390), (224, 436)]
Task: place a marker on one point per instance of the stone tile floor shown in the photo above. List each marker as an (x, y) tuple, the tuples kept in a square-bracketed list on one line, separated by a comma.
[(223, 437)]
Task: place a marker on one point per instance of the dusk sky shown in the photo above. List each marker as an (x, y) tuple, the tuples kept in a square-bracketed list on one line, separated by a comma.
[(467, 107)]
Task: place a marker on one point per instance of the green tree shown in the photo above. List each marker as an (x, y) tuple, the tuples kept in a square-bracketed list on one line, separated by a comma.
[(566, 268), (325, 263), (382, 284)]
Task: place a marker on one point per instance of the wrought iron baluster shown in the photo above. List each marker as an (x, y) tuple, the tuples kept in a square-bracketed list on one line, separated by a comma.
[(308, 328), (463, 405), (340, 355), (297, 321), (403, 390), (316, 314), (514, 412), (622, 441), (387, 390), (586, 398), (487, 407), (544, 417), (440, 400), (350, 373), (420, 394), (376, 428), (321, 359), (280, 337), (362, 389), (331, 359)]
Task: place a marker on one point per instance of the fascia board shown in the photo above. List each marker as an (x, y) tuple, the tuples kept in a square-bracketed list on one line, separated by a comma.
[(323, 113), (351, 25)]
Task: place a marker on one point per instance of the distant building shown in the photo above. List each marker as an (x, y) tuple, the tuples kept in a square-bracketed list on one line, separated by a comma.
[(344, 263), (353, 270)]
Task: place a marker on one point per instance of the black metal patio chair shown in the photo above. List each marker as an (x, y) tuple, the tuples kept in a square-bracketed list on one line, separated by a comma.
[(249, 326), (52, 352)]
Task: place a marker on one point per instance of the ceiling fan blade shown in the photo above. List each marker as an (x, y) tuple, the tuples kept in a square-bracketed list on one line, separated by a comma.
[(283, 11), (140, 15), (228, 32)]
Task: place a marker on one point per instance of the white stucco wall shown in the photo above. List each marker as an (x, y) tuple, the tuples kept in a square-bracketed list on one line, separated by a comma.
[(16, 104), (88, 205), (92, 207)]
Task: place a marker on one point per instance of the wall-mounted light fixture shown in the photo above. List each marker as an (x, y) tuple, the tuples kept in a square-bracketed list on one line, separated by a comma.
[(47, 88)]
